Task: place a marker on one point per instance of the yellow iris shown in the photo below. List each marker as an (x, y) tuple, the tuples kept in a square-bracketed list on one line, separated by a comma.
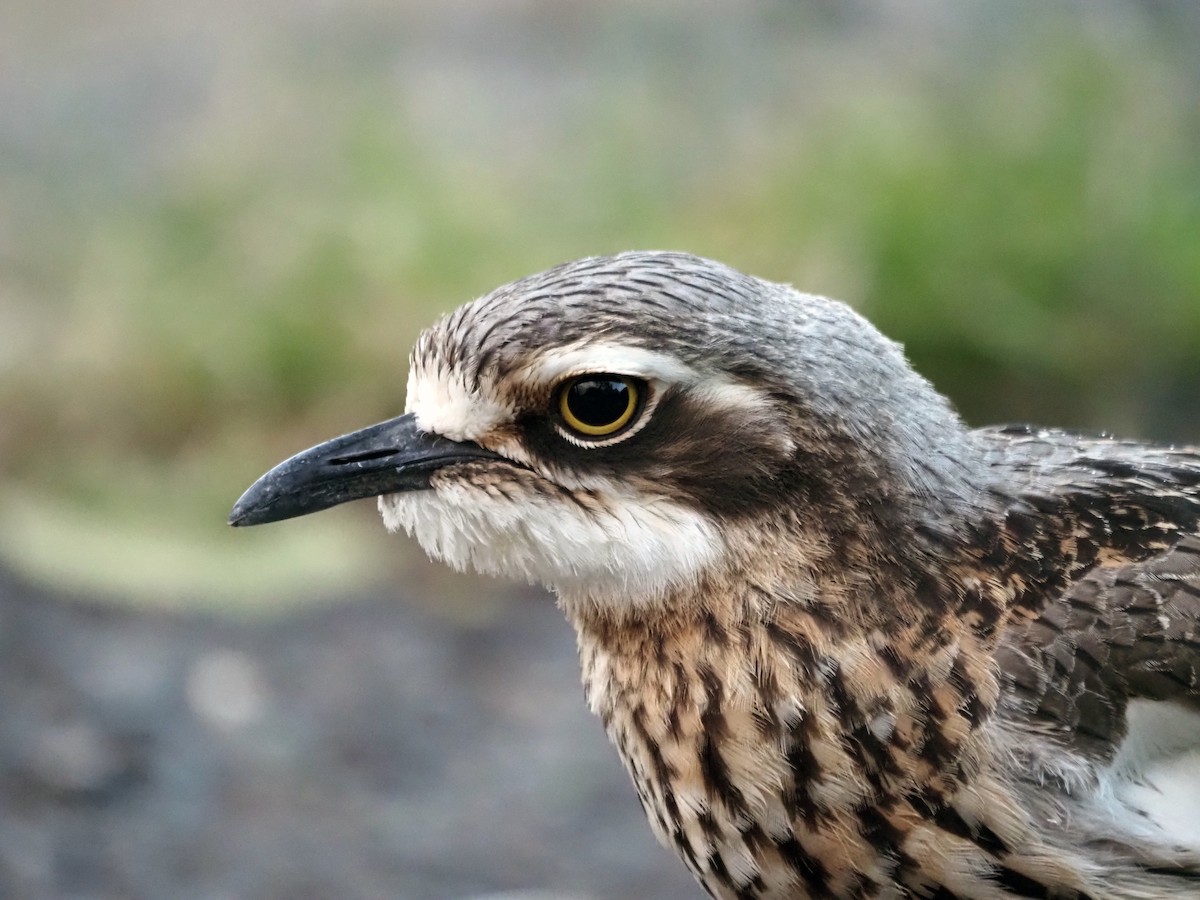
[(598, 405)]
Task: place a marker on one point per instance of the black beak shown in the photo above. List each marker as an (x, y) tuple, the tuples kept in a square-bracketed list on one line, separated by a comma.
[(387, 458)]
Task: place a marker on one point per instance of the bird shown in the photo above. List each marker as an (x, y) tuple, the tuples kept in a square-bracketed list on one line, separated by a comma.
[(845, 645)]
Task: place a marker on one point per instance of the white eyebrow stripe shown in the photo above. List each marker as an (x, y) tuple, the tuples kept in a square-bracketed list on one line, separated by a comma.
[(722, 391), (715, 389), (620, 359)]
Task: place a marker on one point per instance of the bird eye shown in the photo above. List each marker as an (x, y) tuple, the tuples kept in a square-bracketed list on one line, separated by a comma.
[(598, 405)]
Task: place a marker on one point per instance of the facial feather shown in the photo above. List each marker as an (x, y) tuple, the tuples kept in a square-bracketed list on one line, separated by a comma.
[(602, 545)]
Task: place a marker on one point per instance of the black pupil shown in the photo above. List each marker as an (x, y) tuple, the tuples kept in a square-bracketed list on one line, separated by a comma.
[(598, 401)]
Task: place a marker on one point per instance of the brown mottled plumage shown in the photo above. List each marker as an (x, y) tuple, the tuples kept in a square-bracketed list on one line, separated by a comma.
[(845, 646)]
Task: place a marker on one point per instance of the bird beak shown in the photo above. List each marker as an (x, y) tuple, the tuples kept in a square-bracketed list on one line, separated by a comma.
[(387, 458)]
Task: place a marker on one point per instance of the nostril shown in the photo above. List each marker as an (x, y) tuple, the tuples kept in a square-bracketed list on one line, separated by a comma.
[(365, 456)]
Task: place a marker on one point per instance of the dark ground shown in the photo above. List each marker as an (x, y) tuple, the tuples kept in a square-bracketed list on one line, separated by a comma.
[(360, 750)]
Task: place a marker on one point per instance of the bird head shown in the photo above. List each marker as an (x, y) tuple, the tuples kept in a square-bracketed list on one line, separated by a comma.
[(621, 428)]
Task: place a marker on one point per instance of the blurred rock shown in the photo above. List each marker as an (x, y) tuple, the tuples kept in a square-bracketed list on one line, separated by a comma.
[(359, 750)]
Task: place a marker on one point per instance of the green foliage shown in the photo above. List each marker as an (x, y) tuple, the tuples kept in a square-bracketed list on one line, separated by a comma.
[(1021, 210)]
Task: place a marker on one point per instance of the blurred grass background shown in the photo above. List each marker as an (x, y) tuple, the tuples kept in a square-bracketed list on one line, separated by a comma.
[(223, 224)]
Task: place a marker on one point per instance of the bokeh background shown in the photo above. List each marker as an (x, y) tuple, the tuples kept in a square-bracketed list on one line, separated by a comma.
[(221, 226)]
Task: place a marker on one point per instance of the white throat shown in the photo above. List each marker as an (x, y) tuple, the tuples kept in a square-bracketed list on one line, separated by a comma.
[(619, 550)]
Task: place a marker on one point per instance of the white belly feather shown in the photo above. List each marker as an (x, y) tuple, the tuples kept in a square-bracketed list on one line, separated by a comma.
[(1152, 787)]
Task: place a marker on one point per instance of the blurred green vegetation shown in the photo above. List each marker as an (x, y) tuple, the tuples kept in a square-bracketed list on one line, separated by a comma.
[(1014, 194)]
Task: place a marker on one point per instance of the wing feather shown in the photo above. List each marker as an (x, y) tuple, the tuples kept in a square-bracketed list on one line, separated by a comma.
[(1117, 634), (1112, 561)]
